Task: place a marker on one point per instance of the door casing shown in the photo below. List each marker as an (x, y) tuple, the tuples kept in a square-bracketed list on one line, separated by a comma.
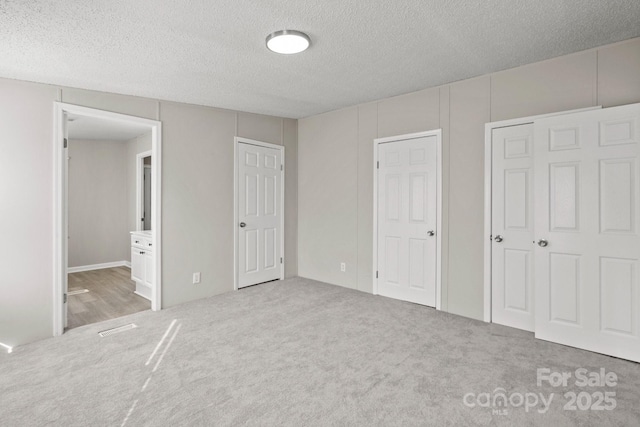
[(60, 228), (236, 141), (438, 134)]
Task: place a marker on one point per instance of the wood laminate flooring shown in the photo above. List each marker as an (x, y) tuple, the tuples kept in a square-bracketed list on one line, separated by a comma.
[(110, 296)]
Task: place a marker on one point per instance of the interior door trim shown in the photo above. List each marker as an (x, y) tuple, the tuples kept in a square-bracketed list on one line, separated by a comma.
[(60, 229), (236, 219), (376, 142)]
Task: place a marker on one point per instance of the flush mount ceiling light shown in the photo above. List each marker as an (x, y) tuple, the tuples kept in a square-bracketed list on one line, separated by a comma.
[(288, 42)]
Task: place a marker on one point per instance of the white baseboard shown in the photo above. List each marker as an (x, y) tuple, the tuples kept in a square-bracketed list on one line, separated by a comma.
[(98, 266)]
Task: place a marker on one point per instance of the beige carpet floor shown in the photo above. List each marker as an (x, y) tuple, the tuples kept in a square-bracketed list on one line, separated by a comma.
[(304, 353)]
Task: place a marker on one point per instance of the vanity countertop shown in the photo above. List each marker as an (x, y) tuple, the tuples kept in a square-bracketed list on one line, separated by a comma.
[(146, 233)]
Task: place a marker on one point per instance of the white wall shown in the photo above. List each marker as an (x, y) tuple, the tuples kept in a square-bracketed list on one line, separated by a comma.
[(335, 211), (328, 203), (197, 196), (102, 199), (98, 205), (26, 211)]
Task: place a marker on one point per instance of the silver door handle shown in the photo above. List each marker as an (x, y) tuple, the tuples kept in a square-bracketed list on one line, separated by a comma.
[(431, 233), (498, 238), (243, 225), (543, 243)]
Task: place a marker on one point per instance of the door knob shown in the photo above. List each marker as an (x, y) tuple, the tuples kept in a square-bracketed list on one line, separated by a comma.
[(243, 225), (543, 243), (431, 233), (498, 238)]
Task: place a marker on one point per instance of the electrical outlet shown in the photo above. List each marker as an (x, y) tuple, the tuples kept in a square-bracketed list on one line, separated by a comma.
[(196, 278), (343, 267)]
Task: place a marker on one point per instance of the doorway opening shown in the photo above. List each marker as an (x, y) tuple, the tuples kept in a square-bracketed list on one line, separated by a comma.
[(107, 216), (143, 190), (146, 191)]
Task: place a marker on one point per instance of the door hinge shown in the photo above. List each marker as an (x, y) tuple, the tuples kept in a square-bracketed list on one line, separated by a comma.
[(280, 260), (65, 142), (64, 298), (281, 167), (376, 274), (378, 165)]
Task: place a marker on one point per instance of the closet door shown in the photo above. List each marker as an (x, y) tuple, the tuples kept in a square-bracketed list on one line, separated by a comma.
[(512, 290), (587, 216)]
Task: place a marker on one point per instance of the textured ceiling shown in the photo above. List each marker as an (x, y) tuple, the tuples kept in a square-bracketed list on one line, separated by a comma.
[(213, 52)]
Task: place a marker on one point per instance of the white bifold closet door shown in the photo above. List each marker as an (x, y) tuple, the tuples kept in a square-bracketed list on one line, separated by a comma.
[(407, 199), (512, 292), (587, 216), (260, 217)]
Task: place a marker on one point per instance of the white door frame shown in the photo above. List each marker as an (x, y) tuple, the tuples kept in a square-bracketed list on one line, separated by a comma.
[(140, 187), (376, 142), (236, 141), (488, 170), (60, 246)]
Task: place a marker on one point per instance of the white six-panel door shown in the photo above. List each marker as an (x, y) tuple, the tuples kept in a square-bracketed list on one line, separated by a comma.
[(587, 217), (512, 225), (259, 225), (407, 198)]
